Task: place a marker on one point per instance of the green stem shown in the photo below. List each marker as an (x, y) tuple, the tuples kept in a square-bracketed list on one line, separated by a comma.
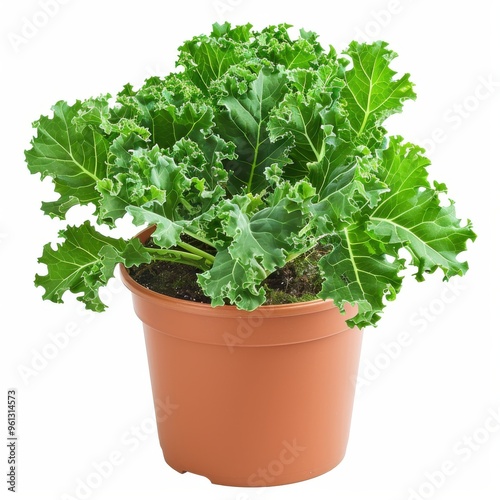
[(186, 204), (368, 105), (255, 158), (180, 257), (199, 238), (351, 256), (196, 251), (319, 156)]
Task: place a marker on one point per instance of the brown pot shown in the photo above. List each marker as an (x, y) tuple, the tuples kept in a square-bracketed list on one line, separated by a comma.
[(257, 398)]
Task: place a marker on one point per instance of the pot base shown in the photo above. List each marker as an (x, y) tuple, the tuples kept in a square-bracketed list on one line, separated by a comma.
[(261, 478)]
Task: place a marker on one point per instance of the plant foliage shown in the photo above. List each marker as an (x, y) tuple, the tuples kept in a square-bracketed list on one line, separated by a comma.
[(256, 150)]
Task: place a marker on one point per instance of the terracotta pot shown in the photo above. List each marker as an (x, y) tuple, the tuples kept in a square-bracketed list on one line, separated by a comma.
[(256, 398)]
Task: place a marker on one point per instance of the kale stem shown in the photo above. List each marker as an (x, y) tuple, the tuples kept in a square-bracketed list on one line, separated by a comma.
[(199, 238), (180, 257), (196, 251)]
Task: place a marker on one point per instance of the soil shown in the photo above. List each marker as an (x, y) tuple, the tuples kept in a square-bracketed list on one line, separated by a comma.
[(297, 281)]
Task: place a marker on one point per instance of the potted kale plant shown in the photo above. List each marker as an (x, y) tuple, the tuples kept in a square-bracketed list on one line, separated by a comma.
[(273, 208)]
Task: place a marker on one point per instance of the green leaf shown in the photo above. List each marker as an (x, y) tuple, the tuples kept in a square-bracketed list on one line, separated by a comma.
[(411, 215), (244, 122), (75, 159), (357, 272), (230, 279), (84, 262), (167, 233), (169, 124), (371, 92), (203, 165), (274, 44), (301, 119), (97, 114), (345, 183), (260, 242), (152, 181), (206, 59), (309, 115), (169, 109), (262, 236)]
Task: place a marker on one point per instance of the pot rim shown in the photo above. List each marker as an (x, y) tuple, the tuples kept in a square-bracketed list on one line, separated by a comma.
[(228, 311), (192, 307)]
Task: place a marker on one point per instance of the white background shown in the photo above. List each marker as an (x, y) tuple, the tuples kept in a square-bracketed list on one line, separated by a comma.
[(414, 408)]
